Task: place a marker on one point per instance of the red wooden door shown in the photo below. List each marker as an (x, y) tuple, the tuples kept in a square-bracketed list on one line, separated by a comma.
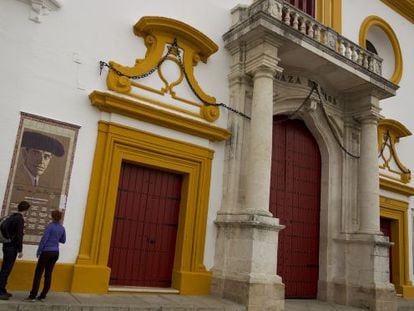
[(307, 6), (385, 226), (145, 227), (295, 200)]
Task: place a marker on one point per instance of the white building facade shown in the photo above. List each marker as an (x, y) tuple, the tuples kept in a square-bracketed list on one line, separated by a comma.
[(247, 149)]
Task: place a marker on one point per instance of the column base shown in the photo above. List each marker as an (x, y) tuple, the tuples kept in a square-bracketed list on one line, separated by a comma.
[(365, 281), (246, 261), (255, 296), (371, 298)]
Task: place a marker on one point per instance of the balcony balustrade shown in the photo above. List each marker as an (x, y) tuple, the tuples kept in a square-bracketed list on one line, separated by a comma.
[(308, 28)]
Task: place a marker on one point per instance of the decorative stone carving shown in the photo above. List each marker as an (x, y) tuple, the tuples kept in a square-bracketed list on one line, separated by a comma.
[(275, 9), (41, 8)]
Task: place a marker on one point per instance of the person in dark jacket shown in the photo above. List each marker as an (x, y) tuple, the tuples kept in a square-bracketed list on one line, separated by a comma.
[(48, 254), (12, 228)]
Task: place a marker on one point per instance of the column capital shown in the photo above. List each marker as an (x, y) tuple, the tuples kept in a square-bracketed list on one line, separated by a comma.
[(365, 108), (262, 56), (368, 116)]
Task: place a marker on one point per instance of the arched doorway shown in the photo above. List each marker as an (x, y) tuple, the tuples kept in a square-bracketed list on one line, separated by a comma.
[(295, 200)]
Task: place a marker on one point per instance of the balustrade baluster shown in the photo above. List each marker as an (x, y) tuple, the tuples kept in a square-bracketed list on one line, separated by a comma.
[(365, 64), (355, 52), (348, 52), (310, 30), (287, 17), (295, 18), (303, 26), (317, 35), (342, 48), (360, 57), (371, 64), (295, 23)]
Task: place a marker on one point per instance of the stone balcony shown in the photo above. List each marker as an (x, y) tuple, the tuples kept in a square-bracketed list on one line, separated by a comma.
[(309, 48)]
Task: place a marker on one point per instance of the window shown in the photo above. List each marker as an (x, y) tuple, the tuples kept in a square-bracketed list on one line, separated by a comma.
[(371, 47)]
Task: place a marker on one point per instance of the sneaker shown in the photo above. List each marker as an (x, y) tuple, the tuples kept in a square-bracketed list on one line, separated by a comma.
[(41, 299), (8, 294), (29, 299), (4, 296)]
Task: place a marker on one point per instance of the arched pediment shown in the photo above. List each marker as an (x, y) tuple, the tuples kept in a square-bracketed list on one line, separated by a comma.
[(173, 50)]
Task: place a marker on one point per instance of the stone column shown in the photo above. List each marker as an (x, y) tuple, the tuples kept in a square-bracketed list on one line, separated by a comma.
[(366, 282), (368, 177), (260, 144), (261, 64), (247, 235)]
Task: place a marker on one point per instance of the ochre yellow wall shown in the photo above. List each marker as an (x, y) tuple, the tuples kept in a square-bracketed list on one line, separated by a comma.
[(22, 276)]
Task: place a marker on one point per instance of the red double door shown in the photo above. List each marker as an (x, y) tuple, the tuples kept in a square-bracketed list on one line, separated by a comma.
[(295, 200), (145, 227)]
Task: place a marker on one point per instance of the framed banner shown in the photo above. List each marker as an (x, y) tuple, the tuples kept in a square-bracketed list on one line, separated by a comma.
[(40, 171)]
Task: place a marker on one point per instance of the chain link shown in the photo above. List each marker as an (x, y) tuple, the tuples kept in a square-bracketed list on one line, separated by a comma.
[(175, 49), (325, 114), (384, 144), (173, 46)]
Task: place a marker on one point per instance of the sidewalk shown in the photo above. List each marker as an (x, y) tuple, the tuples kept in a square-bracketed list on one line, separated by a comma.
[(121, 302), (158, 302), (315, 305)]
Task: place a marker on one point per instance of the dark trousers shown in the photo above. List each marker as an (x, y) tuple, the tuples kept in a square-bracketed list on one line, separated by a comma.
[(45, 263), (9, 257)]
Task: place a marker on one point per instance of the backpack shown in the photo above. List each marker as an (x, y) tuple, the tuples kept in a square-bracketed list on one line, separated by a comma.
[(3, 239)]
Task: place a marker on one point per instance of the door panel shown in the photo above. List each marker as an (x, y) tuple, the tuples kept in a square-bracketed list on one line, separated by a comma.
[(145, 227), (295, 200)]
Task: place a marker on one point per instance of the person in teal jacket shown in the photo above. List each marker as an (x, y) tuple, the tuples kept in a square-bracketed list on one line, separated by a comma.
[(48, 254)]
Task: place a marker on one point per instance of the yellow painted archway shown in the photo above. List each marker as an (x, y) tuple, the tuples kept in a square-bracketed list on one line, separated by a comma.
[(372, 21)]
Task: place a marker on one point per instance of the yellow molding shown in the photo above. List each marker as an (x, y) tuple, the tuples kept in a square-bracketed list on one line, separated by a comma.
[(397, 212), (395, 186), (373, 20), (336, 13), (329, 13), (163, 25), (389, 134), (160, 33), (395, 126), (115, 144), (403, 7), (134, 109)]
